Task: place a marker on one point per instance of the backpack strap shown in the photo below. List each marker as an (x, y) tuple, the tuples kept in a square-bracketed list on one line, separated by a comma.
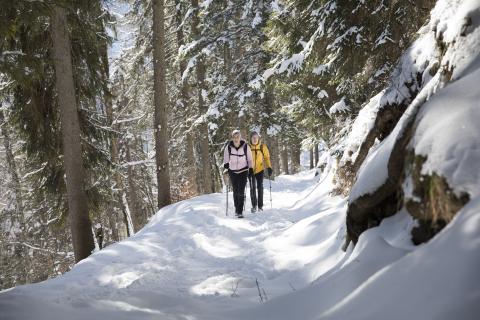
[(245, 145), (244, 150)]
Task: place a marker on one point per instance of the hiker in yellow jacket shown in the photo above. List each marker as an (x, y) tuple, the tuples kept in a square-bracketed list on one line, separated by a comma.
[(261, 161)]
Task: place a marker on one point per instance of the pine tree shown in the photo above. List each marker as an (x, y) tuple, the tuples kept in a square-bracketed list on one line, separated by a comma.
[(160, 97), (34, 123), (80, 224), (184, 103), (206, 183)]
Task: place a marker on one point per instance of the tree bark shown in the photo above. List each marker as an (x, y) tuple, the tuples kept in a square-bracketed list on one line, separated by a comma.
[(187, 107), (311, 159), (82, 237), (118, 179), (295, 154), (284, 158), (114, 158), (275, 156), (316, 153), (207, 185), (138, 216), (160, 97)]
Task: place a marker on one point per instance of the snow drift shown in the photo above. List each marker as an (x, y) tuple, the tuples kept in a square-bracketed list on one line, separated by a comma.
[(193, 262)]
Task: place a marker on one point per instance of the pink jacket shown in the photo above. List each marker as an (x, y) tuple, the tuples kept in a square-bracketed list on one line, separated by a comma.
[(236, 157)]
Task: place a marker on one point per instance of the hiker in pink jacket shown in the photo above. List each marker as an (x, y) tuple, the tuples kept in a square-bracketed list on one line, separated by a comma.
[(237, 159)]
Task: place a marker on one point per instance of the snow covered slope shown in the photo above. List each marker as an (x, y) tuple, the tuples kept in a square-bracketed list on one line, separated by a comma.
[(193, 262)]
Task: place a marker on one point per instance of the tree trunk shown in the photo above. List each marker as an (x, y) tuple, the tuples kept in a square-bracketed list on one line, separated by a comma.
[(206, 181), (82, 237), (139, 219), (316, 154), (232, 117), (268, 124), (114, 156), (118, 179), (284, 158), (160, 97), (146, 191), (311, 159), (295, 154), (275, 156), (187, 105)]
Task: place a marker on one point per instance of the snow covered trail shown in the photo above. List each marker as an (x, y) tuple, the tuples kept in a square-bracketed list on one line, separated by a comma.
[(192, 262)]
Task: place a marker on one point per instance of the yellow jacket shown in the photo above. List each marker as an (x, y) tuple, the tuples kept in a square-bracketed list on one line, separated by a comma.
[(260, 155)]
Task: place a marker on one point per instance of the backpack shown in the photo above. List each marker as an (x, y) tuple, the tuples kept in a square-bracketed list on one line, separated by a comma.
[(261, 150), (227, 145)]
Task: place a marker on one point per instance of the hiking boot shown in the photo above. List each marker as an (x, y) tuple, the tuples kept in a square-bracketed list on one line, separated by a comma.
[(254, 210), (260, 209)]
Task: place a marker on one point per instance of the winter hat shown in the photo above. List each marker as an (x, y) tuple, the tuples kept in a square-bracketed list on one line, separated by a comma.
[(254, 133), (235, 132)]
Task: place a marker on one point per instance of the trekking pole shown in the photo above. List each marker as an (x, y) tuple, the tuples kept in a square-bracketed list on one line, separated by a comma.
[(226, 207), (270, 182), (244, 197), (227, 182), (250, 185), (253, 192)]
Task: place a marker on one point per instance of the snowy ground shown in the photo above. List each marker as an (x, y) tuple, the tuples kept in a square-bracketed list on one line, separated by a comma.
[(193, 262)]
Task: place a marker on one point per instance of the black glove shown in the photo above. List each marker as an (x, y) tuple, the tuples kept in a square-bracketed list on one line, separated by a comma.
[(270, 172), (250, 172), (226, 165)]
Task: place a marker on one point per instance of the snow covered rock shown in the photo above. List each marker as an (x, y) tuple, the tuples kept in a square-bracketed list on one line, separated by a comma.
[(436, 79)]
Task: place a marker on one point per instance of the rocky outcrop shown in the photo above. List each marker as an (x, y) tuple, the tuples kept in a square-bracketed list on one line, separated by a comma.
[(384, 170), (430, 200), (370, 209), (385, 120)]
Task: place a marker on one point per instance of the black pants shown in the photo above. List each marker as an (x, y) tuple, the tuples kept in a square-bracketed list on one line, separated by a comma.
[(257, 200), (239, 181)]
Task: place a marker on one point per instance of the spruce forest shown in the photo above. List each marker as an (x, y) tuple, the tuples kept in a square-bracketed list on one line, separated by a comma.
[(121, 193)]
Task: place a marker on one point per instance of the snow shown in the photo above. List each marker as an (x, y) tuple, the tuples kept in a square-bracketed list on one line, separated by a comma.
[(294, 63), (188, 254), (205, 4), (352, 30), (276, 7), (193, 262), (7, 52), (451, 143), (256, 20), (123, 37), (339, 106), (42, 167), (436, 281), (362, 125), (320, 93), (374, 170), (319, 70), (462, 57), (383, 38)]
